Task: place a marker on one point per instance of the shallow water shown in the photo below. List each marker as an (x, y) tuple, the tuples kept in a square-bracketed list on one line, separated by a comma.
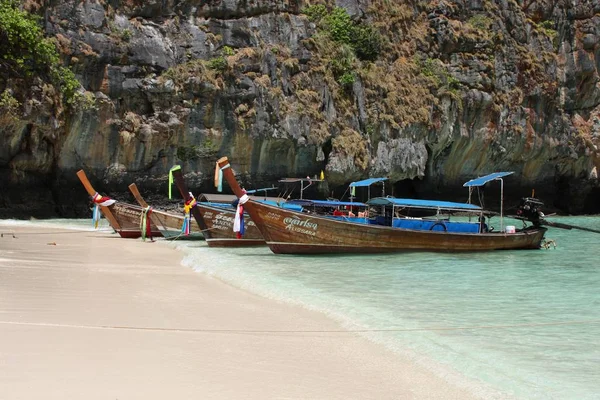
[(526, 323)]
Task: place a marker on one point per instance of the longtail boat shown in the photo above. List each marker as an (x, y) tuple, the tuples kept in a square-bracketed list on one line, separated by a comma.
[(217, 222), (291, 232), (172, 226), (125, 219)]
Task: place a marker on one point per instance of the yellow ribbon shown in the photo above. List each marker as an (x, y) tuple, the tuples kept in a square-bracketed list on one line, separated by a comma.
[(188, 207)]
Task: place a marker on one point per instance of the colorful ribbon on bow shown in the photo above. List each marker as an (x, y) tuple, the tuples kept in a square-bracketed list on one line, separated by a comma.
[(238, 221), (219, 177), (96, 216), (187, 207), (99, 201), (145, 224)]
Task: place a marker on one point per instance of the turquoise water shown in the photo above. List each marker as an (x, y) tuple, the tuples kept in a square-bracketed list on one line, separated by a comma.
[(526, 323)]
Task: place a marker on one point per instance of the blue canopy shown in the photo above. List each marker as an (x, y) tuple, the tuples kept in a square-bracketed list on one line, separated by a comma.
[(214, 204), (485, 179), (325, 203), (282, 204), (367, 182), (259, 190), (446, 205)]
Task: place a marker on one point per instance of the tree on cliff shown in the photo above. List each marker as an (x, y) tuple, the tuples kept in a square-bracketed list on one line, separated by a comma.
[(26, 53)]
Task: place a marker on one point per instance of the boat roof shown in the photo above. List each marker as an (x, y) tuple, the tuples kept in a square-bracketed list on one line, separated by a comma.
[(485, 179), (228, 198), (367, 182), (281, 204), (325, 203), (416, 203), (293, 180), (220, 205), (260, 190)]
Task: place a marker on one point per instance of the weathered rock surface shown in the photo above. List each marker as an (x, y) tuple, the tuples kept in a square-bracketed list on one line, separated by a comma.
[(461, 88)]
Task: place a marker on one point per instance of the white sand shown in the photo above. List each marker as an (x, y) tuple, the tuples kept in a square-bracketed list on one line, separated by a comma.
[(70, 313)]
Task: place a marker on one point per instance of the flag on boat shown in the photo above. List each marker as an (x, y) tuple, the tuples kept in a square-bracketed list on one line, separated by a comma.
[(173, 168), (218, 177)]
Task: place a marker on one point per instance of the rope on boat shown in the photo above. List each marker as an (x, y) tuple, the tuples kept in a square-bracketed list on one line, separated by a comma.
[(257, 331)]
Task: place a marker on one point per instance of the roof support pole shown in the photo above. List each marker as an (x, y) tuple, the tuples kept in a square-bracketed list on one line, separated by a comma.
[(501, 204)]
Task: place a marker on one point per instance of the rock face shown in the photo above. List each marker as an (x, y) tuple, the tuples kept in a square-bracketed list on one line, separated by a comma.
[(459, 89)]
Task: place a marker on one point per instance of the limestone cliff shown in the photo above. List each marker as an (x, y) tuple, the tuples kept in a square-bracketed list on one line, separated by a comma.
[(440, 92)]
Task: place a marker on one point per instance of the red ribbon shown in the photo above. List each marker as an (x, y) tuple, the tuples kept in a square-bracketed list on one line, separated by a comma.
[(148, 224)]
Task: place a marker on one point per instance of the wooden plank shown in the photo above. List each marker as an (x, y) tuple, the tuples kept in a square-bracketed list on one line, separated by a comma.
[(137, 195), (105, 210)]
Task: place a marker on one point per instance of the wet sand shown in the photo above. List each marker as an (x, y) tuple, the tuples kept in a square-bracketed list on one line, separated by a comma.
[(87, 315)]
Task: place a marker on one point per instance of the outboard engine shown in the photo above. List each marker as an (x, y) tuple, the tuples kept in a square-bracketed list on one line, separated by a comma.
[(530, 209)]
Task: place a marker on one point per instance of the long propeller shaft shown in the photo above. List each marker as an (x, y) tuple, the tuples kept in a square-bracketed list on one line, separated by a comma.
[(567, 226)]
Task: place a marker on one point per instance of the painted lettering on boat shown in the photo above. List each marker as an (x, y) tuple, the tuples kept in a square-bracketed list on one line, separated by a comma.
[(225, 221), (296, 224), (272, 215), (129, 213)]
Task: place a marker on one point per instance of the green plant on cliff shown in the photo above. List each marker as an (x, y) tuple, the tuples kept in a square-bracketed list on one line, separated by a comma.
[(346, 80), (364, 39), (118, 33), (181, 72), (190, 152), (342, 66), (219, 63), (338, 25), (315, 12), (227, 51), (480, 22), (547, 28), (9, 106), (367, 42), (439, 75), (25, 52), (65, 79), (126, 35)]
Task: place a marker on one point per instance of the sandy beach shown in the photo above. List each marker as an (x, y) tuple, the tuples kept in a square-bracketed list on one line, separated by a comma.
[(87, 315)]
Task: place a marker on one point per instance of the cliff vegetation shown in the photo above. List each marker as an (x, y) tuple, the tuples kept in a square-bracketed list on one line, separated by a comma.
[(429, 93)]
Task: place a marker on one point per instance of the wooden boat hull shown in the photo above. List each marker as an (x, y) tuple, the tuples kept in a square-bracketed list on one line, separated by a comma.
[(128, 217), (169, 224), (288, 232), (124, 218), (219, 225), (291, 232)]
